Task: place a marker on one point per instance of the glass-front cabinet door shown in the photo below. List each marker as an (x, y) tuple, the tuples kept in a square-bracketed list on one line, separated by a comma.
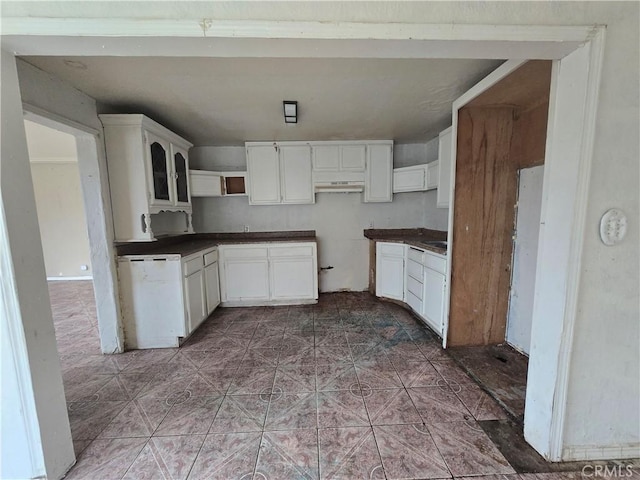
[(161, 175), (181, 166)]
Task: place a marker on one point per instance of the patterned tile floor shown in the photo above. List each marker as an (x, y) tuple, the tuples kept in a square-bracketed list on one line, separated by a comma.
[(349, 388)]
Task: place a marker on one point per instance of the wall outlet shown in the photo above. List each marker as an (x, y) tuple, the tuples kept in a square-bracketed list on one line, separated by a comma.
[(84, 268), (371, 224), (246, 228)]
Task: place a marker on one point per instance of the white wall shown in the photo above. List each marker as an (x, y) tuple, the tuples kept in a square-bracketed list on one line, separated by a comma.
[(33, 396), (338, 218), (54, 99), (57, 189)]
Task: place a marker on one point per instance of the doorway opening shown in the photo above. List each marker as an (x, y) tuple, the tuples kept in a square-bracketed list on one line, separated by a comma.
[(501, 144)]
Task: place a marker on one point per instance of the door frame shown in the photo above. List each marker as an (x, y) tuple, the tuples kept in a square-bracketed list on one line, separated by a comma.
[(575, 84), (578, 50), (97, 210)]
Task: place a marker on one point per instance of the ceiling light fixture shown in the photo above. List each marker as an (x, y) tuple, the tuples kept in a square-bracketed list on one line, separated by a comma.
[(290, 111)]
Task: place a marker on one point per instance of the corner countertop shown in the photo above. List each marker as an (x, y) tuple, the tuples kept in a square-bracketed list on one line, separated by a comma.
[(185, 245), (409, 236)]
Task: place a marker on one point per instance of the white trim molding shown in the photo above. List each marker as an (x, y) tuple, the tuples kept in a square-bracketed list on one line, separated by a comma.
[(68, 279), (591, 452), (286, 39), (574, 266)]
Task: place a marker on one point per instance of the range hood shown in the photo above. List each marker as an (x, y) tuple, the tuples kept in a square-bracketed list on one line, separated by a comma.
[(338, 182), (339, 186)]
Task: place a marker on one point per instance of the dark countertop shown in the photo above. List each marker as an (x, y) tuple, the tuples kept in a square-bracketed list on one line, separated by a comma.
[(410, 236), (185, 245)]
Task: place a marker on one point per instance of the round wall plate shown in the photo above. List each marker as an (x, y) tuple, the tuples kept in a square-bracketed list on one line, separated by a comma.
[(613, 226)]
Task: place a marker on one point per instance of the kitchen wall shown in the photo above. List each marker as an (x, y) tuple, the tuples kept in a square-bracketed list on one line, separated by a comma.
[(61, 217), (338, 218)]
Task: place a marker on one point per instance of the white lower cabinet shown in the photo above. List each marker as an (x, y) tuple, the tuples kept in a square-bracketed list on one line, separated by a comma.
[(268, 274), (414, 276), (194, 299), (245, 280), (433, 308), (293, 273), (390, 270), (212, 287), (166, 297)]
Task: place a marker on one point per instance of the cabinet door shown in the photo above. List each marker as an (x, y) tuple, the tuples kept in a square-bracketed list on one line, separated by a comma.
[(432, 175), (353, 157), (158, 159), (411, 179), (182, 195), (390, 277), (293, 278), (295, 168), (212, 287), (246, 279), (195, 301), (326, 157), (378, 175), (263, 170), (433, 303), (205, 184), (445, 152)]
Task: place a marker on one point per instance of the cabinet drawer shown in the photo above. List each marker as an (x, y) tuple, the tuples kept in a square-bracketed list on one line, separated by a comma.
[(415, 287), (249, 252), (193, 265), (210, 257), (393, 249), (299, 251), (416, 255), (435, 262), (414, 269), (414, 302)]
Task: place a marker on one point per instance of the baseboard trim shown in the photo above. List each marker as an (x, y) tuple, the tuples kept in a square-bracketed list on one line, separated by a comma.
[(65, 279), (590, 452)]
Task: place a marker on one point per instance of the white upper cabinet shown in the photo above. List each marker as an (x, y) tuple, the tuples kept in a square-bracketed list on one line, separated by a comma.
[(279, 174), (378, 185), (180, 185), (291, 172), (326, 158), (263, 170), (433, 169), (206, 184), (445, 188), (148, 173), (410, 179), (352, 158), (416, 178), (339, 158), (295, 174)]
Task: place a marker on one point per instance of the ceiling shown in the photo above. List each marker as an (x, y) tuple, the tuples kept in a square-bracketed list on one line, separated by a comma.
[(227, 101)]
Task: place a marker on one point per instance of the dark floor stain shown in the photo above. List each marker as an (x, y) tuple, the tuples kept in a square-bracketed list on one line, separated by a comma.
[(508, 437), (500, 370)]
